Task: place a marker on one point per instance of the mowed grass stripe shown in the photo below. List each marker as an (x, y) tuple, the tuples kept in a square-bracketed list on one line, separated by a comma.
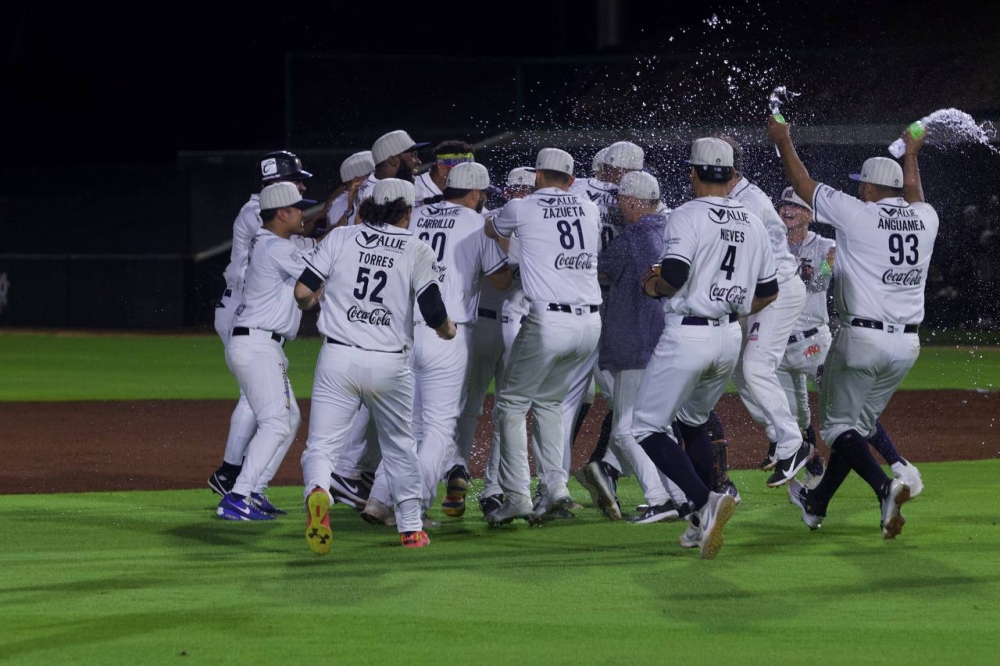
[(146, 577), (57, 367)]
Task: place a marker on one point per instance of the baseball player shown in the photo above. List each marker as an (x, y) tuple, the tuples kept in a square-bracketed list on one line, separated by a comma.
[(560, 236), (885, 239), (280, 166), (767, 334), (717, 266), (353, 172), (395, 156), (500, 317), (374, 273), (447, 154), (266, 318)]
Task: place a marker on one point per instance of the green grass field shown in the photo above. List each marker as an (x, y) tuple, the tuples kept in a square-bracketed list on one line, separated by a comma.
[(152, 578), (54, 366)]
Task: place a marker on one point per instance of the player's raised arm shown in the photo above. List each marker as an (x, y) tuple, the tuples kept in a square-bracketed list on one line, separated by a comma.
[(795, 170), (913, 192)]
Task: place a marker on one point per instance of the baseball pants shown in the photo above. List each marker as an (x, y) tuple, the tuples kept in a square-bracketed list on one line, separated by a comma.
[(261, 368), (242, 424), (549, 349), (757, 376), (863, 370), (345, 378), (486, 336), (510, 326)]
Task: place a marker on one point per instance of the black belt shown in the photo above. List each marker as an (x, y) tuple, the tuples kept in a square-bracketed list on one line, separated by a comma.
[(792, 339), (577, 309), (489, 314), (344, 344), (702, 321), (243, 330), (877, 325)]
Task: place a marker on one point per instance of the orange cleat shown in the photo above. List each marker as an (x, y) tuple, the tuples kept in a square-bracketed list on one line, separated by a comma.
[(318, 532), (417, 539)]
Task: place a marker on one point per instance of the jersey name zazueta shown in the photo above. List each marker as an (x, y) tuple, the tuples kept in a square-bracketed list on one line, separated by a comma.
[(372, 275), (560, 238), (883, 255), (729, 254), (463, 252)]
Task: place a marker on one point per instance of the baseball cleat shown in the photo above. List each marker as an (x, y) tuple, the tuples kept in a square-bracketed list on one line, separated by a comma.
[(907, 472), (607, 497), (729, 488), (550, 507), (814, 471), (453, 505), (691, 538), (221, 484), (264, 504), (798, 495), (376, 513), (713, 517), (351, 492), (417, 539), (787, 468), (892, 519), (509, 511), (318, 532), (655, 514), (490, 503), (770, 460), (231, 508)]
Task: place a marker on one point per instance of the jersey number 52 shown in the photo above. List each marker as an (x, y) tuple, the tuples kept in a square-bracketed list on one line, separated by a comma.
[(360, 291)]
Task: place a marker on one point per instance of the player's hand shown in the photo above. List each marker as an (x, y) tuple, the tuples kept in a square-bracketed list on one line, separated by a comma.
[(913, 145), (447, 330), (649, 281), (352, 191), (777, 132)]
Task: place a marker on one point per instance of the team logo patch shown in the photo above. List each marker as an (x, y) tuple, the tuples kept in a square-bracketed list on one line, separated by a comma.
[(269, 167), (376, 317), (754, 331), (734, 295), (911, 278), (374, 239), (584, 260), (811, 351)]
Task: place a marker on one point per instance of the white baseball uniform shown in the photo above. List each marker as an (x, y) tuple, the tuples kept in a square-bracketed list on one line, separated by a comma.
[(767, 331), (365, 190), (463, 254), (242, 424), (883, 256), (425, 188), (266, 317), (560, 238), (372, 275), (729, 254), (338, 209)]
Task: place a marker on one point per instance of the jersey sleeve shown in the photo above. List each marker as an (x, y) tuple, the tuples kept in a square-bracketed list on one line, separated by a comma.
[(680, 238), (289, 260), (768, 271), (611, 260), (834, 207), (425, 269), (302, 243), (337, 210), (319, 260), (493, 258), (505, 221)]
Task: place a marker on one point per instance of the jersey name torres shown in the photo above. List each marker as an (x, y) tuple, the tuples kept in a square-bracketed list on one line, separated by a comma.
[(754, 200), (274, 267), (463, 253), (883, 255), (811, 254), (372, 275), (560, 238), (729, 254)]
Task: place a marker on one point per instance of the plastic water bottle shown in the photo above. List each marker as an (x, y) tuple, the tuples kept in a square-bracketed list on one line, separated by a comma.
[(898, 147), (781, 119)]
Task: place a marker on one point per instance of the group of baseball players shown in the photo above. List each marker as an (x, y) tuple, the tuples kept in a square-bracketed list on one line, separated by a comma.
[(426, 298)]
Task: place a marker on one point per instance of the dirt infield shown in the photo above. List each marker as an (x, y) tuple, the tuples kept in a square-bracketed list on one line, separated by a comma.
[(146, 445)]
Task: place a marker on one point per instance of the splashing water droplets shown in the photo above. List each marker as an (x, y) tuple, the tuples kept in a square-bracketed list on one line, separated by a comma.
[(947, 127)]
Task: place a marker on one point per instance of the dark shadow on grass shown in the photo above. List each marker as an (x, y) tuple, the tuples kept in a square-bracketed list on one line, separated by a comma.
[(215, 532)]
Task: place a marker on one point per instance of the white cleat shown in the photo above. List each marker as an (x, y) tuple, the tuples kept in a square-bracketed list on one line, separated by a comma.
[(892, 519), (908, 473), (713, 517)]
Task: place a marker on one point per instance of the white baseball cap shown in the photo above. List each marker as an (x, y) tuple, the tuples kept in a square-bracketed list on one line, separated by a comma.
[(599, 159), (624, 155), (711, 152), (388, 190), (521, 176), (880, 171), (282, 195), (788, 196), (393, 143), (357, 165), (553, 159), (468, 176), (639, 185)]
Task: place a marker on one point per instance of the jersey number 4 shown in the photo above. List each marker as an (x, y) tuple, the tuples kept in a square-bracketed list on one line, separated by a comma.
[(903, 249), (729, 262), (566, 234), (361, 290), (436, 242)]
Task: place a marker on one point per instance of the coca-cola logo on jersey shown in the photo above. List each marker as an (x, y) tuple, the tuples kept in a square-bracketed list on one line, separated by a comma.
[(735, 295), (581, 261), (910, 278), (377, 317)]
